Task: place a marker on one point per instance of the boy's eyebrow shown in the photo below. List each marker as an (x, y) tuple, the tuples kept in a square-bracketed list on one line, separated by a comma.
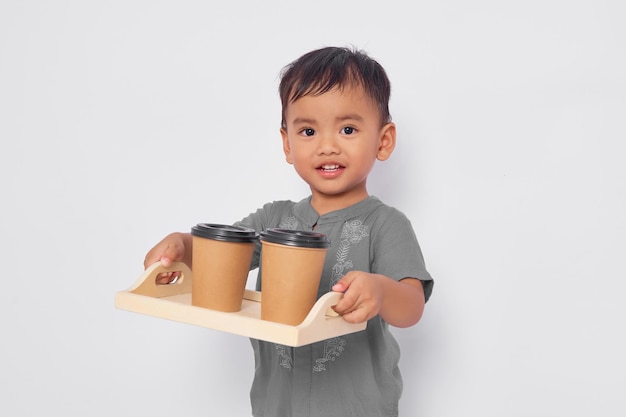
[(356, 117), (302, 120), (307, 121)]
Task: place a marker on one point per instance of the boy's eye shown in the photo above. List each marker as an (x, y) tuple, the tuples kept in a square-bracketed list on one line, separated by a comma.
[(347, 130), (308, 132)]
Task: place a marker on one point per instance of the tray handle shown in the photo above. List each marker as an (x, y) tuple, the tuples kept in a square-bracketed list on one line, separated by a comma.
[(146, 283), (322, 309)]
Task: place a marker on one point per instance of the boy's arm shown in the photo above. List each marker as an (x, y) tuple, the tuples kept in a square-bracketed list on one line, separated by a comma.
[(399, 303)]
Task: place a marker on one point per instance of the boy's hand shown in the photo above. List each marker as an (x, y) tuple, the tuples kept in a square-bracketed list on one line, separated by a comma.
[(362, 296), (399, 303), (173, 248)]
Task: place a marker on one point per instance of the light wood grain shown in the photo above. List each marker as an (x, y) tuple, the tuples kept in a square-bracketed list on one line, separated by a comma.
[(173, 302)]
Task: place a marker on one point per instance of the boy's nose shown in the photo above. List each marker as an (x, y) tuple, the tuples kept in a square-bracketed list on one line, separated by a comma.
[(327, 144)]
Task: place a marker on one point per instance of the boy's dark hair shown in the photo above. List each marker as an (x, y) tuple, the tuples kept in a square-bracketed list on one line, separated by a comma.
[(319, 71)]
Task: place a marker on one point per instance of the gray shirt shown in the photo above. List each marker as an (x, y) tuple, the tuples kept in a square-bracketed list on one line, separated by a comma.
[(351, 375)]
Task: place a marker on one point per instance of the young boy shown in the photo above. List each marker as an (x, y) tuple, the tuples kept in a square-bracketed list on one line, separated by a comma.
[(335, 125)]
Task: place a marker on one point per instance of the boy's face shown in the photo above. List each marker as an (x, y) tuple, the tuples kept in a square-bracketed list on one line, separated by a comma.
[(333, 140)]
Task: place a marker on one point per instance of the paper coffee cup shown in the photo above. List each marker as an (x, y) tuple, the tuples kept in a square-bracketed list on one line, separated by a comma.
[(221, 260), (292, 262)]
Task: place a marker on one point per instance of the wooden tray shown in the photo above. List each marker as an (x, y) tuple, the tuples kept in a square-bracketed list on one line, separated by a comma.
[(173, 302)]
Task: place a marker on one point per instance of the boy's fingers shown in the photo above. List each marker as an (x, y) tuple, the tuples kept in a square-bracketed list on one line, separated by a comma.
[(344, 283), (172, 253), (165, 278), (165, 261), (347, 303), (358, 315), (169, 250)]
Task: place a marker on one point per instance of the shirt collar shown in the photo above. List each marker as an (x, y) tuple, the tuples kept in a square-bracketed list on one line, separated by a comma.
[(304, 211)]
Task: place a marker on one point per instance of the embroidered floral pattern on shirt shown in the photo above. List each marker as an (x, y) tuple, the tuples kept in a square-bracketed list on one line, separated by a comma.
[(332, 349), (354, 231), (351, 234), (289, 223), (284, 352)]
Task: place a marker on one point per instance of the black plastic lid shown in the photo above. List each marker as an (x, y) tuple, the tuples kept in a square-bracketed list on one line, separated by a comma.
[(299, 238), (225, 232)]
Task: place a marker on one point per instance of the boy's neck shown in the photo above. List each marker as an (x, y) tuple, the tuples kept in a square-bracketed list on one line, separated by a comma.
[(324, 204)]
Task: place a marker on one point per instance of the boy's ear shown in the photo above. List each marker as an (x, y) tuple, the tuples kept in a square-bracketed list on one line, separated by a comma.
[(387, 141), (286, 146)]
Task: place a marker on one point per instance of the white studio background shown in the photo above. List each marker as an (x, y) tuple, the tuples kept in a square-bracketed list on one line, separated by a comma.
[(122, 121)]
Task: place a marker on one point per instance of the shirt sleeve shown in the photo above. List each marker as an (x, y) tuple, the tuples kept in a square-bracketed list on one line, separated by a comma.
[(395, 251)]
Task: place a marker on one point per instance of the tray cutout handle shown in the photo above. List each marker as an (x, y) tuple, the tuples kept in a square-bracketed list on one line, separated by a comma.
[(146, 283), (322, 310)]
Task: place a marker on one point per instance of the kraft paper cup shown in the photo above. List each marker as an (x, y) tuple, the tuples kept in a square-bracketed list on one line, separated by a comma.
[(221, 258), (291, 268)]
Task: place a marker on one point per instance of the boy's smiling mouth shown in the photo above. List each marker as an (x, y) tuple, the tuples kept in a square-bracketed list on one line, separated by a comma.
[(330, 167), (330, 170)]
